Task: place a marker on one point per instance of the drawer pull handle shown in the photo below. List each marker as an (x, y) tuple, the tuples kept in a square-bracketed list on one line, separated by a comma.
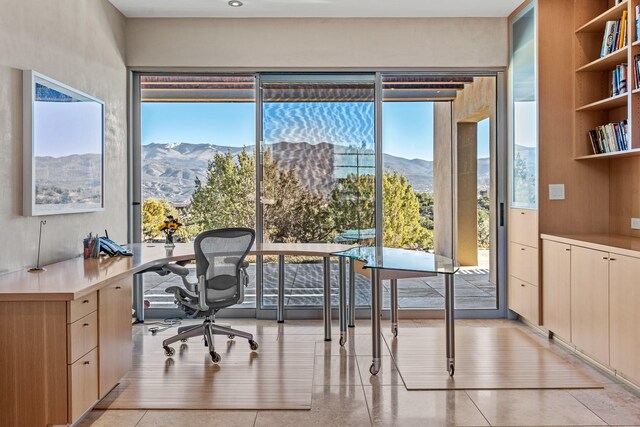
[(522, 284), (87, 363), (604, 257), (521, 213), (612, 259), (522, 249), (85, 325), (118, 287), (568, 250), (85, 301)]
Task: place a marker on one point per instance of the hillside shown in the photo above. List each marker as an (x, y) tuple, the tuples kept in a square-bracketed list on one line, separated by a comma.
[(169, 170)]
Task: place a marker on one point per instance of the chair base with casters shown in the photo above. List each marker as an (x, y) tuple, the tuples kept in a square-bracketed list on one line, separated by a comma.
[(207, 329)]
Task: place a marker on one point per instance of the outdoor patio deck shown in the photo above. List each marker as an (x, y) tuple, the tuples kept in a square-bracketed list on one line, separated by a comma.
[(303, 287)]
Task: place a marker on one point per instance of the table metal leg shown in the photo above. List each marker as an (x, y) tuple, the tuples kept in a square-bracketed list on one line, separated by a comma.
[(449, 321), (138, 297), (326, 296), (376, 303), (352, 293), (343, 301), (280, 310), (394, 307)]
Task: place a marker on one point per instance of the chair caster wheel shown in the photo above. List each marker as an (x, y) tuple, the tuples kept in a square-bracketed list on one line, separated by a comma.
[(169, 351), (342, 341), (215, 357), (231, 336), (253, 345), (184, 340)]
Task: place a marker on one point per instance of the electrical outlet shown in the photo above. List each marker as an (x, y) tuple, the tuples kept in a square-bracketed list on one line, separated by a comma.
[(635, 223), (556, 191)]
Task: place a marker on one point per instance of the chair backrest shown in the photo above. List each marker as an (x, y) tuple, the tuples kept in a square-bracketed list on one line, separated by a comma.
[(219, 255)]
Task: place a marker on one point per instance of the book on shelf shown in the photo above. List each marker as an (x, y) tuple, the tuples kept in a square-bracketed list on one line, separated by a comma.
[(615, 35), (636, 70), (610, 138), (638, 22), (619, 80)]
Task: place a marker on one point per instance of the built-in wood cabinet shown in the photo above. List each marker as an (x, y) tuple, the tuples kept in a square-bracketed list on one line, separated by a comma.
[(624, 295), (590, 302), (114, 303), (523, 291), (83, 384), (556, 277), (62, 357), (523, 298), (523, 262), (591, 295)]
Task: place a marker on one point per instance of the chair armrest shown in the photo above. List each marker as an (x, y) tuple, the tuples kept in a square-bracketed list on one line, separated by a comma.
[(176, 269)]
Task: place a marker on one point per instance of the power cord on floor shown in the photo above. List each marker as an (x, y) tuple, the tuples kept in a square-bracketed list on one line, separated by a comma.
[(163, 325)]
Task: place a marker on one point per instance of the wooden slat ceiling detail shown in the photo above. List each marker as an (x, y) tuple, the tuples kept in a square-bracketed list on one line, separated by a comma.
[(200, 88)]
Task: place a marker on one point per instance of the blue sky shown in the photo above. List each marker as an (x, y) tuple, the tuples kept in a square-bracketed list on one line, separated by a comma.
[(66, 128), (407, 126)]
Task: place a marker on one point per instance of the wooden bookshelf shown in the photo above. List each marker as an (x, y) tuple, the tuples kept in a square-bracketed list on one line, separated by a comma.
[(606, 62), (594, 105), (597, 24), (606, 104), (608, 156)]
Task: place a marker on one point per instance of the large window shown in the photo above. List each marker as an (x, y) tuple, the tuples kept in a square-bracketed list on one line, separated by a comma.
[(317, 147), (198, 139), (524, 149), (318, 173)]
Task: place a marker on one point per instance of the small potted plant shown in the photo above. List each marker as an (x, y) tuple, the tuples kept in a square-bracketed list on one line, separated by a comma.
[(169, 228)]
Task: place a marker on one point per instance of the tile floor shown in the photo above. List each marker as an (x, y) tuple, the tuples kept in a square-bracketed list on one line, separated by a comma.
[(345, 395)]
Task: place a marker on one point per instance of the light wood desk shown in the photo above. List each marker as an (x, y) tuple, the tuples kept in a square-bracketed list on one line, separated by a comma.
[(65, 333)]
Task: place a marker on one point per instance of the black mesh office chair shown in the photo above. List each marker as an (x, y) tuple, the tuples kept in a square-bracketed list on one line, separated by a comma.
[(221, 279)]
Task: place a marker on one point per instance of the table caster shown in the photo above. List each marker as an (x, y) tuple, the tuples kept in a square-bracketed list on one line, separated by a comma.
[(343, 340), (375, 367), (394, 330), (451, 368)]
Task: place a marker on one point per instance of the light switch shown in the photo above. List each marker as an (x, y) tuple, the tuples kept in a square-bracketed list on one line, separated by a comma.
[(635, 223), (556, 191)]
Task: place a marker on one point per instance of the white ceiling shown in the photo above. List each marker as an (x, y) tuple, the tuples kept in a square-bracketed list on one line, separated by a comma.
[(316, 8)]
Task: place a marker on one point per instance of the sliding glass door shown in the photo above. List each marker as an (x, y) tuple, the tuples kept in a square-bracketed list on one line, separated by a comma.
[(406, 160), (196, 163), (317, 173)]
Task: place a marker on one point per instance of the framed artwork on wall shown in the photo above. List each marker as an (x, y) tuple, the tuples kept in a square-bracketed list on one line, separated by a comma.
[(63, 151)]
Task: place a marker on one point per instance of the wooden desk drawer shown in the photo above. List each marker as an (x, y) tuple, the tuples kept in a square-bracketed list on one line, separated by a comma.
[(83, 382), (82, 336), (81, 307), (523, 227), (523, 263), (524, 299)]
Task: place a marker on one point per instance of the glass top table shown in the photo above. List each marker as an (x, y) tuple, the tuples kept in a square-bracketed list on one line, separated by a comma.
[(378, 259), (400, 259)]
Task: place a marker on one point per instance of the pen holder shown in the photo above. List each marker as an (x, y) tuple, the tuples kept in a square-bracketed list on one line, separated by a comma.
[(91, 248)]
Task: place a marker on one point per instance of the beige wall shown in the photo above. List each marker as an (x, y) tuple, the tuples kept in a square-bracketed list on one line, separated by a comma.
[(442, 182), (317, 43), (80, 43)]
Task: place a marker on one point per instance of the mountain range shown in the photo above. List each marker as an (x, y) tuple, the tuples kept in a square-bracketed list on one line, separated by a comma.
[(169, 170)]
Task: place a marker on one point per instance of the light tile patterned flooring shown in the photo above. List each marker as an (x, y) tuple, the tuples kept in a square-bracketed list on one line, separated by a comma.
[(345, 395), (303, 287)]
